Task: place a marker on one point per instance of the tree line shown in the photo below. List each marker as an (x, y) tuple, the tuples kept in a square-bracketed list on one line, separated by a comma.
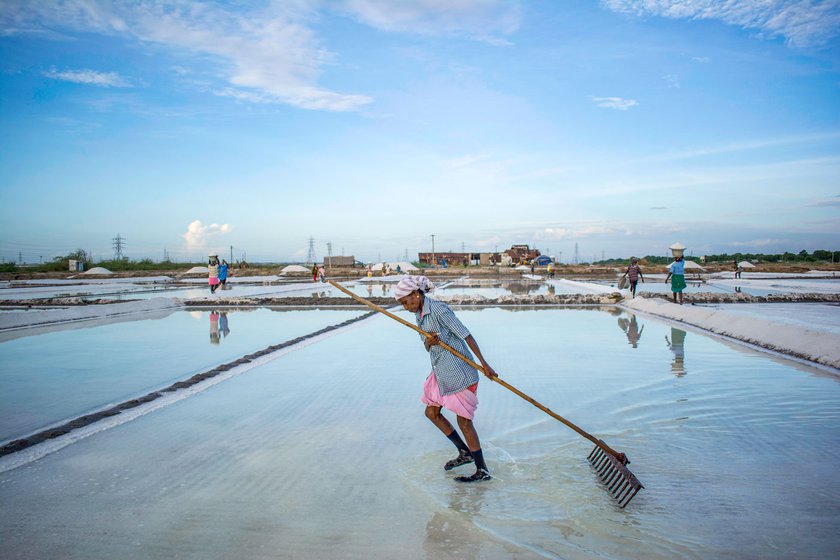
[(819, 255)]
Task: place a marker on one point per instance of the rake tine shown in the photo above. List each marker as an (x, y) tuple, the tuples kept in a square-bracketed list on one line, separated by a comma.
[(613, 472)]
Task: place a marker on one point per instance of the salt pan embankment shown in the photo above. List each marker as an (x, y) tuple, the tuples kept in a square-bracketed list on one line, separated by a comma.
[(10, 321), (806, 343)]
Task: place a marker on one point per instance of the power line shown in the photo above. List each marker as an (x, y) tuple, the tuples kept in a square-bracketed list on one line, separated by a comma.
[(118, 243), (310, 255)]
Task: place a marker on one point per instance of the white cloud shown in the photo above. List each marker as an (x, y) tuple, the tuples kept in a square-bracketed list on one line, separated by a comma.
[(198, 235), (268, 55), (672, 81), (800, 22), (92, 77), (615, 103), (484, 20), (702, 59)]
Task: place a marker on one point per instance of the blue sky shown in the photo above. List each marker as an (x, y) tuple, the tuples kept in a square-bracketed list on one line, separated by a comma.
[(621, 126)]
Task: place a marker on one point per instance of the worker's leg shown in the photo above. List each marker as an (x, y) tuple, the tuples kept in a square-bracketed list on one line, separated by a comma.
[(481, 471)]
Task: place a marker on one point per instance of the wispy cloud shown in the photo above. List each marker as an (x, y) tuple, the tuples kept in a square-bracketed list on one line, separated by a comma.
[(701, 59), (91, 77), (760, 243), (266, 55), (800, 22), (829, 202), (615, 102), (466, 161), (581, 232), (484, 20), (672, 81)]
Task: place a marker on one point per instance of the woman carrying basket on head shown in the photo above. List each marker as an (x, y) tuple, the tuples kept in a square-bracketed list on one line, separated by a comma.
[(452, 383)]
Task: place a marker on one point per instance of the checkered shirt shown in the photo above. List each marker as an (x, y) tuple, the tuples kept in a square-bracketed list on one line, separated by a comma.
[(452, 373)]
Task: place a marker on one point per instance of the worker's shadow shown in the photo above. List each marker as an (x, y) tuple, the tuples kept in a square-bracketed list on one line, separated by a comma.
[(451, 532)]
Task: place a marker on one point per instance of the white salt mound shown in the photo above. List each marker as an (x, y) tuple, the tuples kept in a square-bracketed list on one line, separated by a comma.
[(294, 268), (97, 270), (198, 270)]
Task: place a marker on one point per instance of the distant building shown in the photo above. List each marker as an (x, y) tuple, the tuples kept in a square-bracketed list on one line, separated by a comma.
[(521, 254), (452, 259), (340, 261)]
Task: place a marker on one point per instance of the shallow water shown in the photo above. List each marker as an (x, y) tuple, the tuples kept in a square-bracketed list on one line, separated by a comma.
[(65, 372), (325, 453)]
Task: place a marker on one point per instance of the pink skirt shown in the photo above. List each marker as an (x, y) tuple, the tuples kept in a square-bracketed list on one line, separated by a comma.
[(463, 403), (213, 281)]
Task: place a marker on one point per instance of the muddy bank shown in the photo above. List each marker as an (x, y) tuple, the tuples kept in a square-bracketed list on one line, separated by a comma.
[(459, 299), (59, 302)]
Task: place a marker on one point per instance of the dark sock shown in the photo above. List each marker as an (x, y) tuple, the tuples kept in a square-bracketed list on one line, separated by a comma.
[(459, 443), (479, 460)]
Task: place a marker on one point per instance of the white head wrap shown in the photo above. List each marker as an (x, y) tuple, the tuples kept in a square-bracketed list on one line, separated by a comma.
[(410, 284)]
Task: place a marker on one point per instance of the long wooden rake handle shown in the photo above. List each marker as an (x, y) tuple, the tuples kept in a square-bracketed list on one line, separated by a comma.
[(620, 456)]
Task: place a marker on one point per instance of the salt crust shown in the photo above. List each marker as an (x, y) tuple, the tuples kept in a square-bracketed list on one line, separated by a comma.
[(84, 312), (812, 345)]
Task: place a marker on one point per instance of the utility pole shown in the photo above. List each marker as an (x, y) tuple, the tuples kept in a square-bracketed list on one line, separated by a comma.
[(560, 258), (20, 257), (231, 254), (434, 264), (576, 253), (329, 255)]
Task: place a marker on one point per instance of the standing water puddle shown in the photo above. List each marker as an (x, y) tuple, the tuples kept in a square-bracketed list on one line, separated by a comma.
[(52, 376), (325, 453)]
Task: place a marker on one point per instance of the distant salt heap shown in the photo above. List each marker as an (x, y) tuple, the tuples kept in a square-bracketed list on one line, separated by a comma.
[(97, 270), (198, 270), (293, 268)]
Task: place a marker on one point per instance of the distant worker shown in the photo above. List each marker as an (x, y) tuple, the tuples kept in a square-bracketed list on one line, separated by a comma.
[(322, 274), (223, 273), (633, 273), (213, 270), (738, 269), (315, 272), (676, 273)]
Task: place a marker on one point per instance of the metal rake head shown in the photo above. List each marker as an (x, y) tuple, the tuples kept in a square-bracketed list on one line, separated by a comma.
[(615, 475)]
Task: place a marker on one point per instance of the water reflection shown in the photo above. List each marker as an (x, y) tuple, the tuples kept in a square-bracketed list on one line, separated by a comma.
[(445, 536), (677, 345), (218, 326), (223, 324), (631, 329)]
